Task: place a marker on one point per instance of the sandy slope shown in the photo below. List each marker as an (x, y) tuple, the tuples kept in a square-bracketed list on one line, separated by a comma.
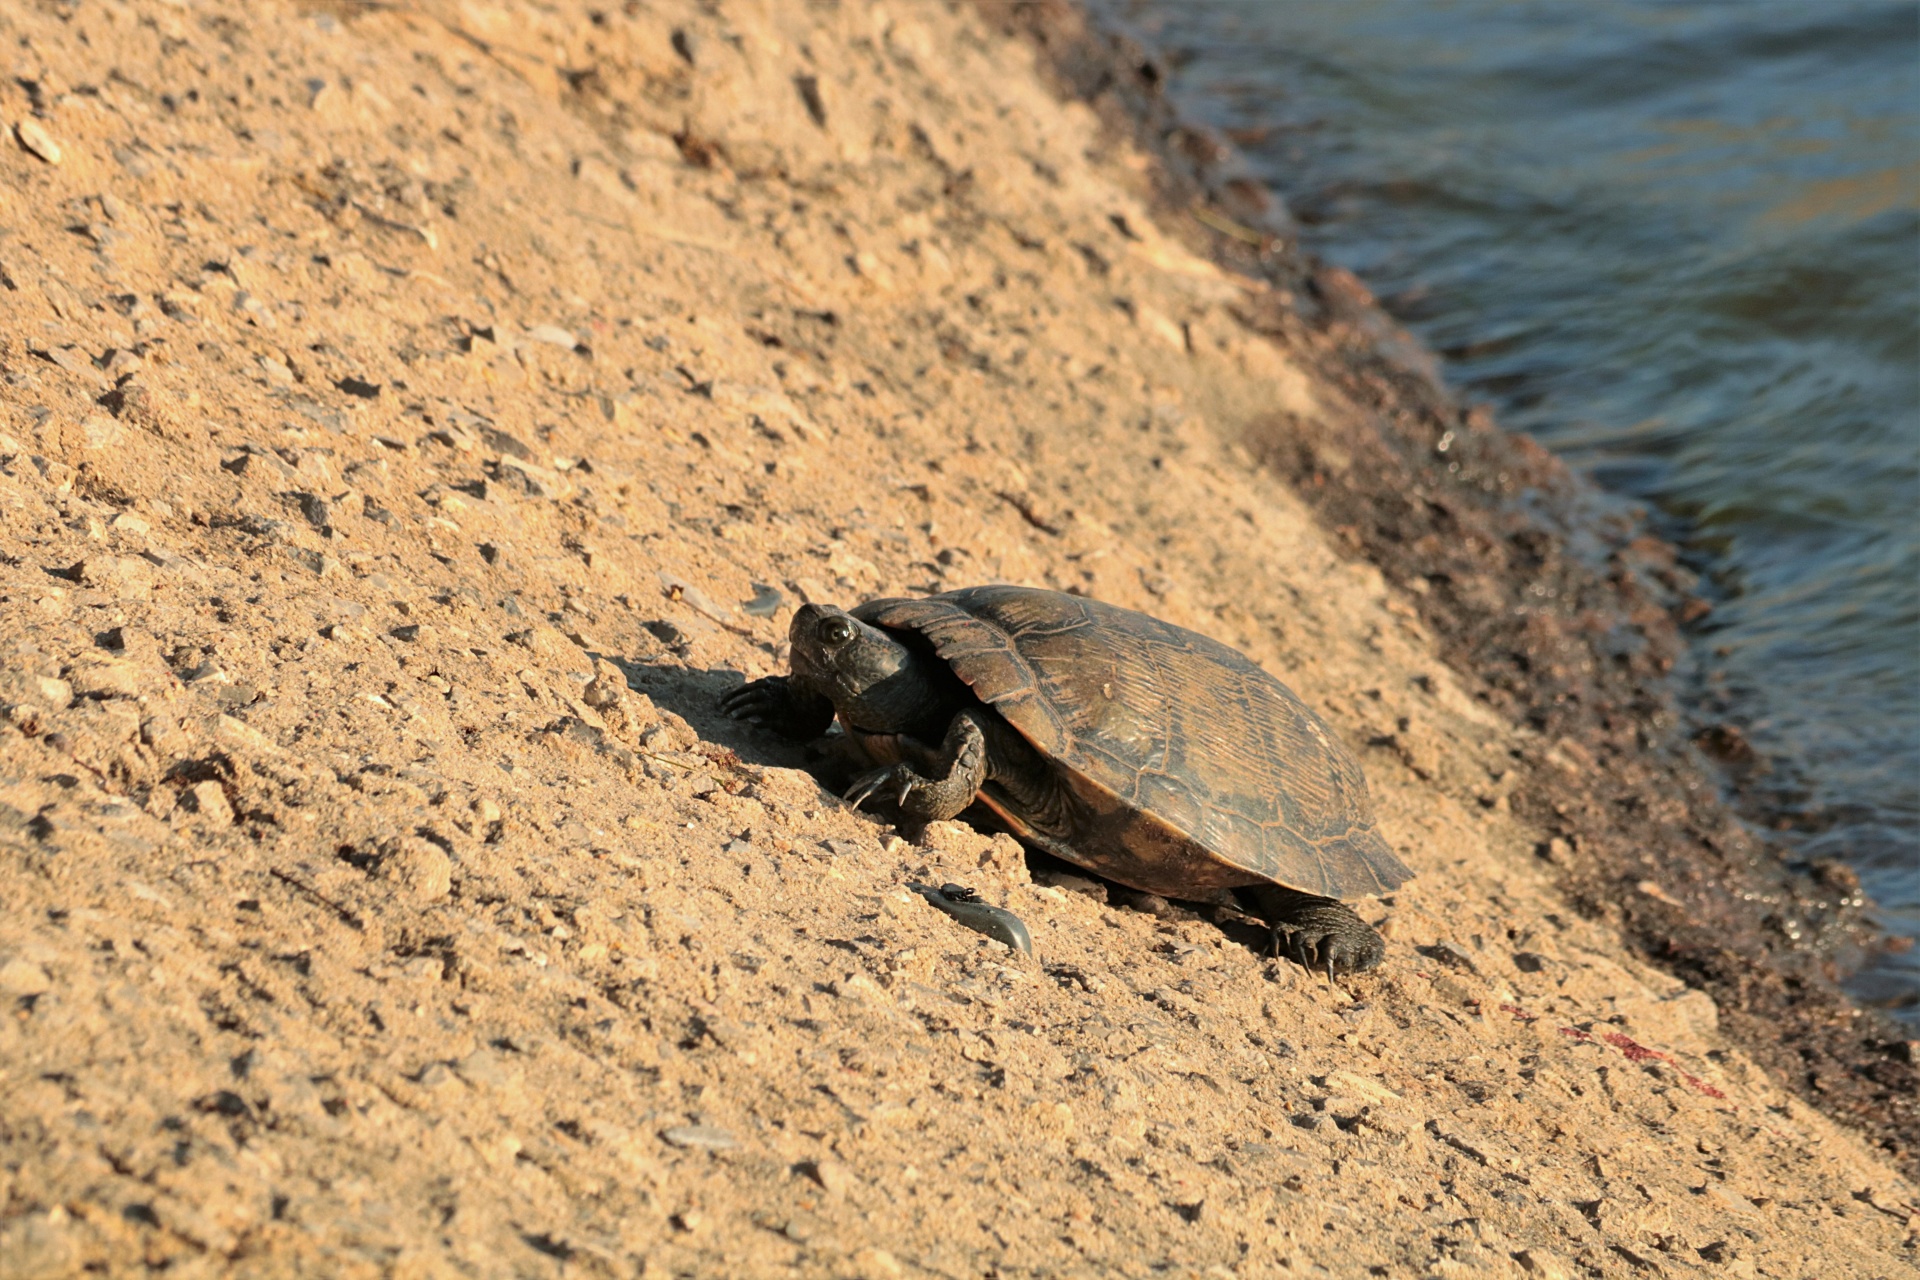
[(398, 409)]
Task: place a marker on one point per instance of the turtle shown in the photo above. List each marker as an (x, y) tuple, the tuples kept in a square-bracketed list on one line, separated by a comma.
[(1146, 753)]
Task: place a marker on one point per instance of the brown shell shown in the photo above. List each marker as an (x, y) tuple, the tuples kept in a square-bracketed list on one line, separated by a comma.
[(1195, 769)]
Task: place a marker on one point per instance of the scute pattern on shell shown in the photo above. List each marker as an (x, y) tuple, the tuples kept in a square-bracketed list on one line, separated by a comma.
[(1178, 727)]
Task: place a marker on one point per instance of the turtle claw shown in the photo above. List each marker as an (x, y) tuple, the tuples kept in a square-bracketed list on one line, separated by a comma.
[(894, 777), (1316, 933), (774, 704), (1333, 951), (755, 701)]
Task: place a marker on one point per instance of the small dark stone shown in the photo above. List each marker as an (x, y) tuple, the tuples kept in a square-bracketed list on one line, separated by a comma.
[(1150, 903), (550, 1245), (1477, 1090), (1450, 954), (667, 633), (1725, 743), (809, 89), (500, 442), (765, 603), (237, 695)]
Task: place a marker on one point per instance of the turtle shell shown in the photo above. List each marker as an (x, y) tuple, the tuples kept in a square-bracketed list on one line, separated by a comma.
[(1193, 769)]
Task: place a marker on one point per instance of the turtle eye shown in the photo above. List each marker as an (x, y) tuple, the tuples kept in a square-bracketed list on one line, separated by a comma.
[(835, 631)]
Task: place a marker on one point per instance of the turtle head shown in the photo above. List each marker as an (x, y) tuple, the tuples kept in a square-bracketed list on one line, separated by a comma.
[(873, 680)]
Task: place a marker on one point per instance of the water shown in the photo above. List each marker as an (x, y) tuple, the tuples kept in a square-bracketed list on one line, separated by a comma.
[(1679, 242)]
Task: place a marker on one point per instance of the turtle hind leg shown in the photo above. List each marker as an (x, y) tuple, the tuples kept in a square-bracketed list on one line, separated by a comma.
[(1320, 933)]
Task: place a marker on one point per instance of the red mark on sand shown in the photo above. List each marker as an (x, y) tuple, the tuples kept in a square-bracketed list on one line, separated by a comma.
[(1636, 1052)]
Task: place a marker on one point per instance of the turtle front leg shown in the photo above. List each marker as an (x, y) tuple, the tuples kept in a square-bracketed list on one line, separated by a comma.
[(1320, 933), (957, 773), (776, 703)]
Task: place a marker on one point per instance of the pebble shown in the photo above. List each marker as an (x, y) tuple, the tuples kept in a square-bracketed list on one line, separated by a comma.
[(241, 738), (1454, 991), (35, 138), (1072, 882), (452, 437), (503, 443), (22, 977), (553, 335), (669, 633), (765, 603), (237, 695), (834, 1178), (254, 460), (1371, 1090), (607, 689), (127, 577), (435, 1075), (19, 687), (544, 641), (105, 678), (1543, 1263), (210, 802), (421, 868), (487, 1070), (857, 987), (876, 1264), (537, 481), (700, 1137), (37, 1246), (1653, 890), (678, 588), (101, 432), (1451, 954), (770, 405)]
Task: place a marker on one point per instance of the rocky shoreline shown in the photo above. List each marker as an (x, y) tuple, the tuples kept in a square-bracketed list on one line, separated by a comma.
[(414, 419), (1566, 619)]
